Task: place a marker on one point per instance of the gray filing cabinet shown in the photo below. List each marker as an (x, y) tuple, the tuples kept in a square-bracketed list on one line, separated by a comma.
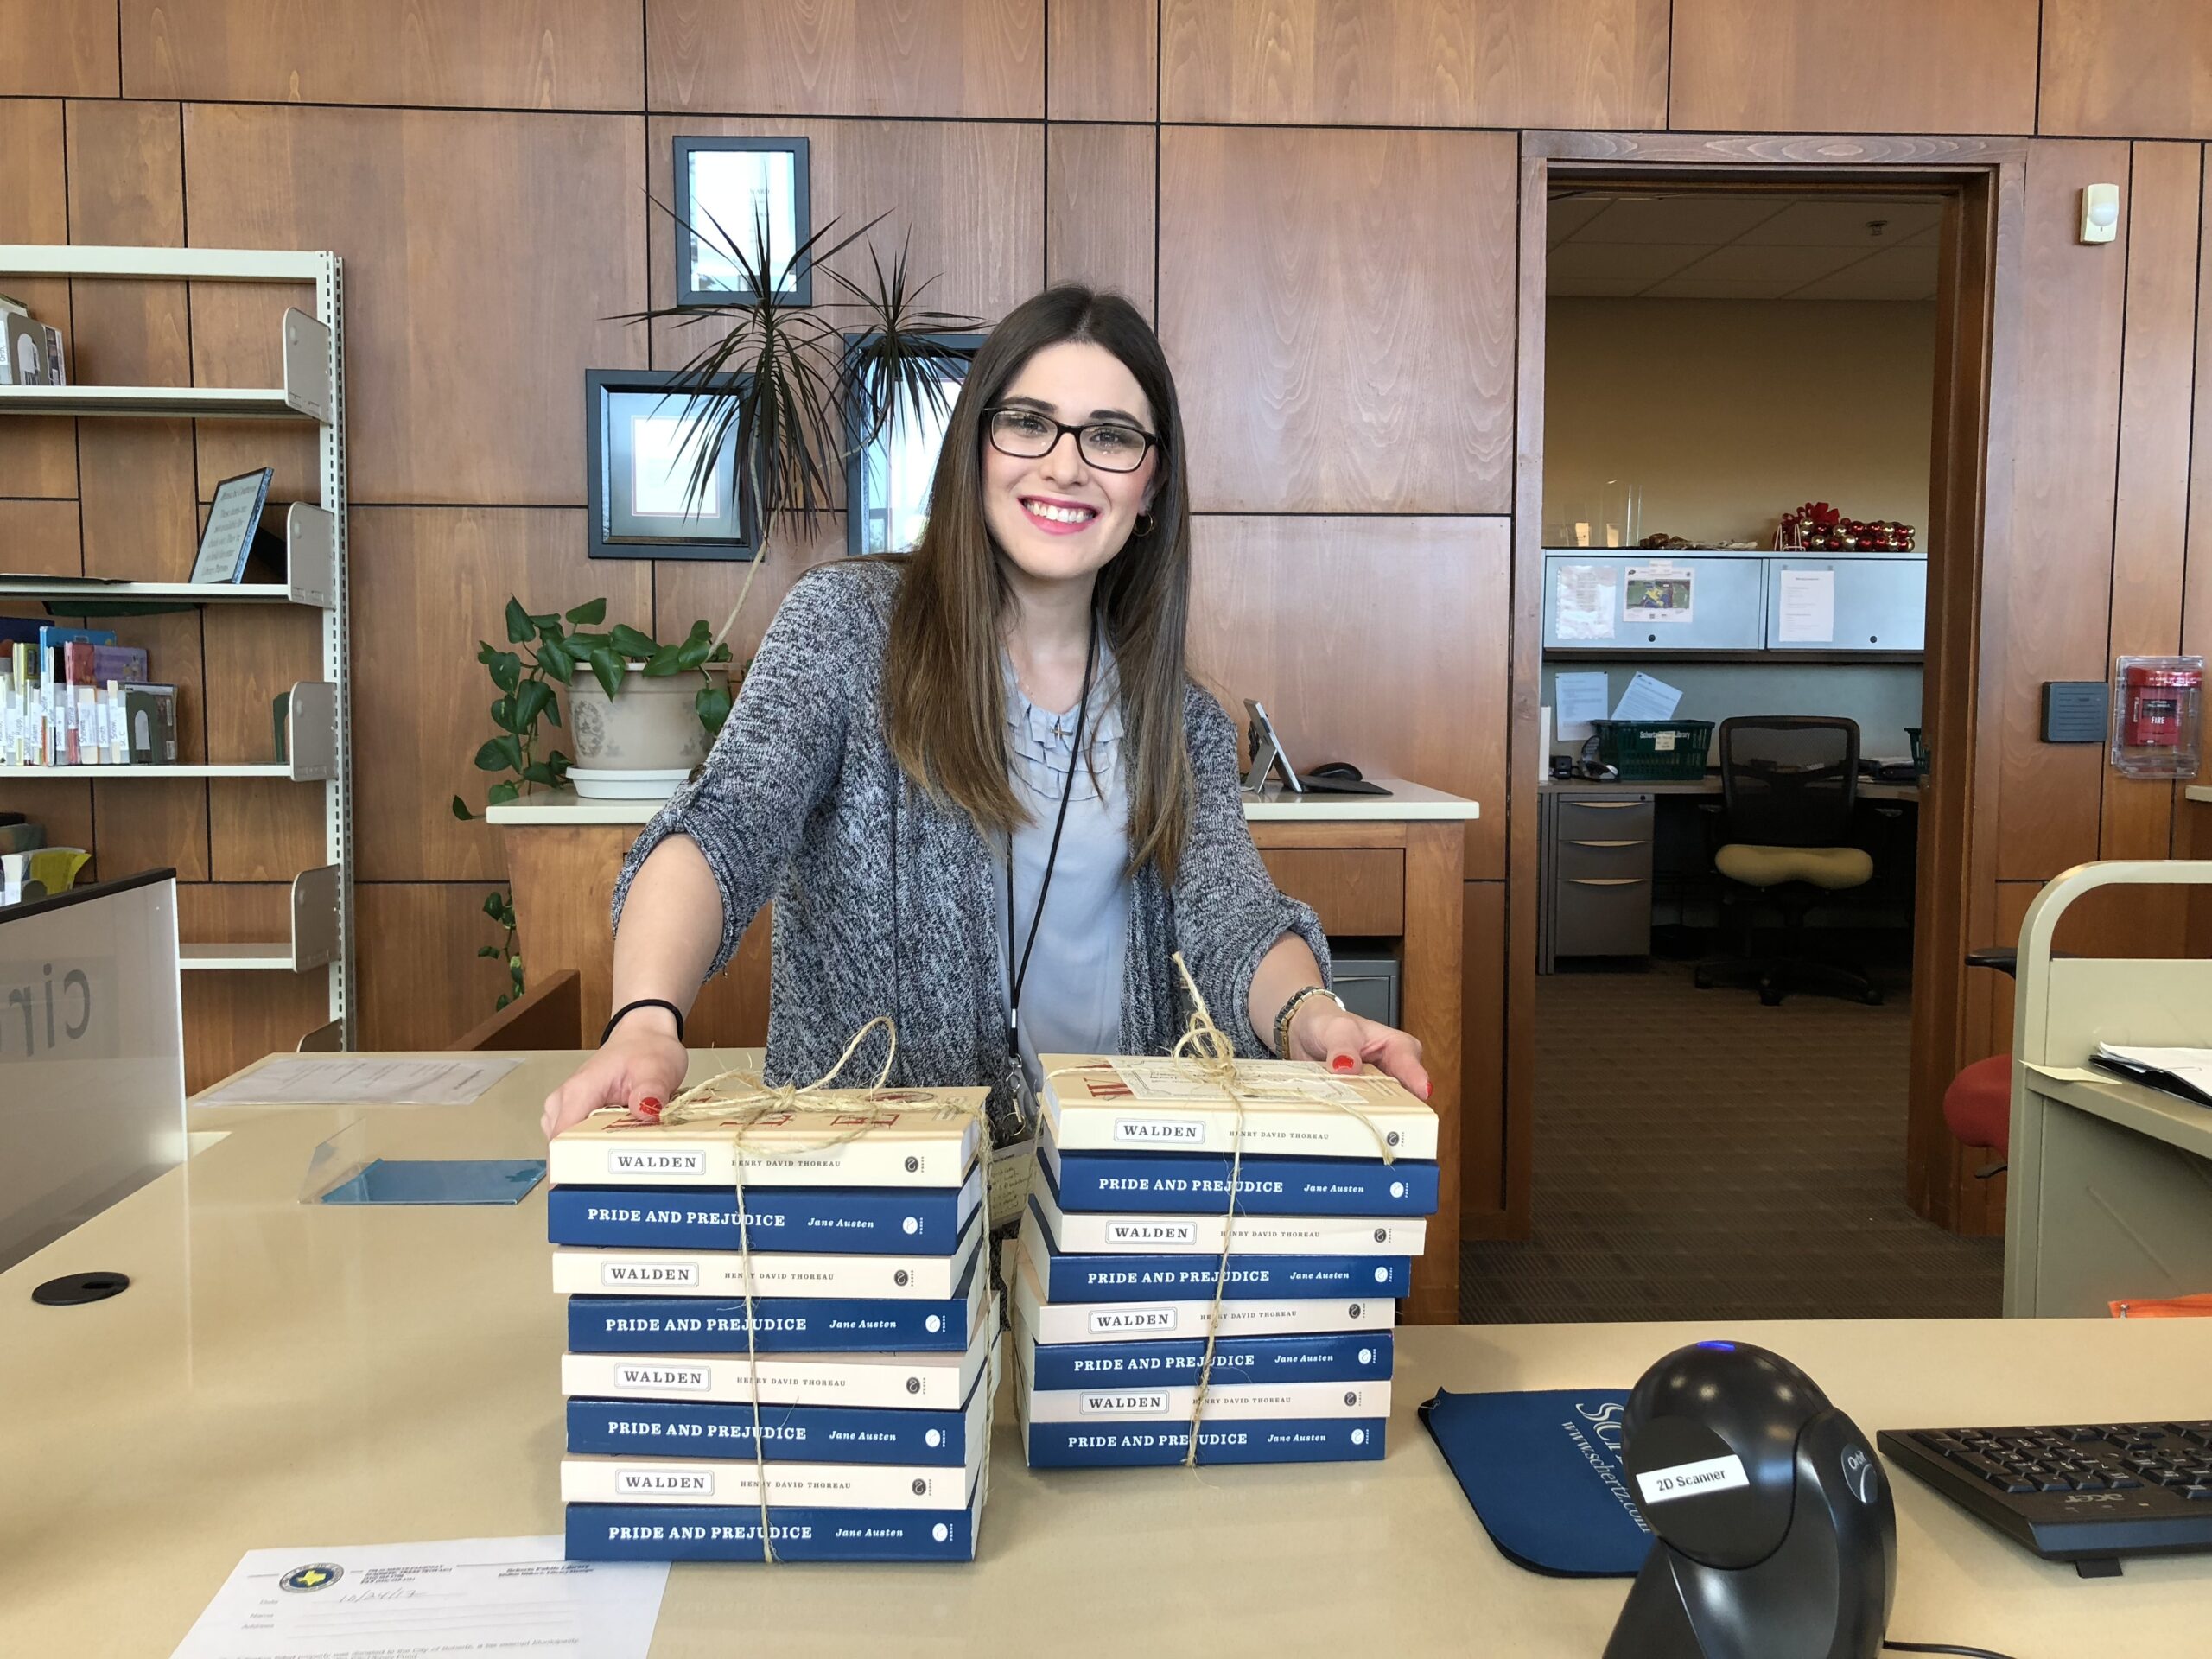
[(1595, 896)]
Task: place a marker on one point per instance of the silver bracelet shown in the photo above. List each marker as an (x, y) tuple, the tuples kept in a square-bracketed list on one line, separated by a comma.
[(1290, 1009)]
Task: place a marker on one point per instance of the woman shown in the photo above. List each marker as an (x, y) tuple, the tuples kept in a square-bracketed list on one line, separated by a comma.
[(983, 793)]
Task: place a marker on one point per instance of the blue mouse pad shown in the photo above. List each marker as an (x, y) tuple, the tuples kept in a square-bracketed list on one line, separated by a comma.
[(1543, 1470), (441, 1180)]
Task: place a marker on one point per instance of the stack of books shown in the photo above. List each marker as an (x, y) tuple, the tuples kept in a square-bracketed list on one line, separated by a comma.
[(75, 697), (1112, 1278), (866, 1397)]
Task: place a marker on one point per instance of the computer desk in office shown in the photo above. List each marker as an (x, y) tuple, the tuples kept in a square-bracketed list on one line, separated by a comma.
[(1597, 859), (286, 1374), (2109, 1193)]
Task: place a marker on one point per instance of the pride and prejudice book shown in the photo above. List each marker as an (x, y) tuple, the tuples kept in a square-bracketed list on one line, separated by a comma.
[(1100, 1278), (783, 1324), (648, 1532), (1341, 1356), (1053, 1323), (932, 1380), (906, 1138), (1197, 1183), (1236, 1402), (1095, 1103), (1099, 1446), (580, 1271), (686, 1428), (1110, 1233), (914, 1221)]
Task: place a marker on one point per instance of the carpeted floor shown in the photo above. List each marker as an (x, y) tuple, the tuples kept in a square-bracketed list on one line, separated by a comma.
[(1753, 1172)]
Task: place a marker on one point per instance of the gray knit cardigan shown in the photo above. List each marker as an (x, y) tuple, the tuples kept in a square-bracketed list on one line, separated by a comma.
[(886, 900)]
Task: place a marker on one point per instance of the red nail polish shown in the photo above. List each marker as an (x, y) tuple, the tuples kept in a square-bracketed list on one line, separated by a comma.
[(1343, 1063), (649, 1108)]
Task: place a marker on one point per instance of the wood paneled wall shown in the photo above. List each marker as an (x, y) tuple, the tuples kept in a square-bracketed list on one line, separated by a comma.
[(1318, 202)]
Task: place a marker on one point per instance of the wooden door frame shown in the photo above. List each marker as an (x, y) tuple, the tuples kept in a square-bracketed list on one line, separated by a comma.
[(1978, 301)]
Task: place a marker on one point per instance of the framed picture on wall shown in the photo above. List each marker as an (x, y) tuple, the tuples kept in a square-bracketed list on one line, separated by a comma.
[(728, 193), (647, 495), (887, 480)]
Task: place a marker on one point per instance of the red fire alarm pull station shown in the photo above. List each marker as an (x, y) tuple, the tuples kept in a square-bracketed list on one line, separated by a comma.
[(2158, 711)]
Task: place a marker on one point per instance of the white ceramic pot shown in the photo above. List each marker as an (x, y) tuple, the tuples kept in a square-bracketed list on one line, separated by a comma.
[(651, 727)]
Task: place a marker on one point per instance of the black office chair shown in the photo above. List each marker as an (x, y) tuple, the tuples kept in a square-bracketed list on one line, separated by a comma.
[(1789, 783)]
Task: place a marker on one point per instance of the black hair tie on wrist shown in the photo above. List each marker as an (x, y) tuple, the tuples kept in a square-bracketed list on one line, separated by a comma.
[(628, 1008)]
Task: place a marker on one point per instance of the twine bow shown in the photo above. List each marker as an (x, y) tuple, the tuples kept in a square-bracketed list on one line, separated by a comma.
[(1205, 1050), (760, 1103)]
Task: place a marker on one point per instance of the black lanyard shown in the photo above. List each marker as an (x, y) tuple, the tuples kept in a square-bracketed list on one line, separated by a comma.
[(1015, 976)]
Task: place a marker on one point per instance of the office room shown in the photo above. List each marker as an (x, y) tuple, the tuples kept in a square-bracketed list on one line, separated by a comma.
[(1122, 824)]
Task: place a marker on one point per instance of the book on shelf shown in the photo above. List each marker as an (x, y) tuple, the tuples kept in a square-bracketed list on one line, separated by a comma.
[(77, 700)]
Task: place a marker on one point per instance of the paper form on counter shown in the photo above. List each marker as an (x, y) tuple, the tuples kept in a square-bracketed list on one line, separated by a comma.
[(408, 1601), (357, 1080)]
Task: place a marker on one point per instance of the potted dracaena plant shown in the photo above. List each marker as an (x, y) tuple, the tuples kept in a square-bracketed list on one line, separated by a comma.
[(814, 385)]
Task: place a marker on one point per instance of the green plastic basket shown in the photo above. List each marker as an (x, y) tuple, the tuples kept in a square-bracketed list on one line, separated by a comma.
[(1654, 751)]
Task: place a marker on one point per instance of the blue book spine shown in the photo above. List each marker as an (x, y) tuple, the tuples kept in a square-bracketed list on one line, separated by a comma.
[(872, 1221), (1098, 1445), (655, 1532), (797, 1325), (1198, 1184), (1336, 1357), (1189, 1278), (692, 1428)]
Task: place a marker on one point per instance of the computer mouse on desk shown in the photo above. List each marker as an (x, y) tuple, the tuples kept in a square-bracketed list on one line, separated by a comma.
[(1342, 770)]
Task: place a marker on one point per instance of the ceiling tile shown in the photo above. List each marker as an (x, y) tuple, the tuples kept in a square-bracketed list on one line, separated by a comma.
[(1913, 265), (1848, 285), (1830, 223), (1568, 214), (1711, 219), (1595, 287), (1787, 266), (1640, 262), (1687, 287)]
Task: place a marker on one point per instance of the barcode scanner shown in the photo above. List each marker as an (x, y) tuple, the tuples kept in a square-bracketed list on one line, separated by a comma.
[(1775, 1533)]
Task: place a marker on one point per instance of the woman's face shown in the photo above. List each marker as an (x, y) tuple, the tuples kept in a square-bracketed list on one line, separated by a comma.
[(1058, 517)]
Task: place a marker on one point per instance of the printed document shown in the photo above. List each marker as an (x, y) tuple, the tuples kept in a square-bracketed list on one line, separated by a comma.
[(358, 1080), (1807, 615), (1580, 698), (408, 1601), (1648, 699)]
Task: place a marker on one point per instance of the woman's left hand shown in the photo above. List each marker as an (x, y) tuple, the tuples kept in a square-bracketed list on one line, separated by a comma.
[(1322, 1031)]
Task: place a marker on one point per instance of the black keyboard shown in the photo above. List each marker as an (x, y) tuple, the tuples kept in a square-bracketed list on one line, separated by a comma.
[(2082, 1492)]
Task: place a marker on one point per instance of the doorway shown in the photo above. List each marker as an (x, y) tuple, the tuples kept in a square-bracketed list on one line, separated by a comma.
[(1928, 241)]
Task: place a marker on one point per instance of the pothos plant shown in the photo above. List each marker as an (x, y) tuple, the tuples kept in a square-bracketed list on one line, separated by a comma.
[(545, 650)]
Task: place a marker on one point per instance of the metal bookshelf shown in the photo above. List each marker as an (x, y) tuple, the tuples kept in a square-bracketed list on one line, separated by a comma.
[(319, 743)]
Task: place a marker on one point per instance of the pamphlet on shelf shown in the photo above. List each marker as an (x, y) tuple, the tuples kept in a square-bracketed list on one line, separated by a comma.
[(233, 529), (2186, 1072)]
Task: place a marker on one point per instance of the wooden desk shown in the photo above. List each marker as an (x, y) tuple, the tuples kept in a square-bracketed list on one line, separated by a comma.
[(1380, 866), (281, 1374), (1710, 785)]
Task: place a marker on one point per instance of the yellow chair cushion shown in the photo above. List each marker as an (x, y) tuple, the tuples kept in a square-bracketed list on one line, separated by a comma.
[(1769, 867)]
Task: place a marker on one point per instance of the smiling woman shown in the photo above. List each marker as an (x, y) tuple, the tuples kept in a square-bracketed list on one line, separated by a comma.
[(978, 781)]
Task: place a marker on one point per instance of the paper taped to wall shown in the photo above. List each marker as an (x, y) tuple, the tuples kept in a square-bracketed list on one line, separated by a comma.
[(1808, 607), (1584, 597)]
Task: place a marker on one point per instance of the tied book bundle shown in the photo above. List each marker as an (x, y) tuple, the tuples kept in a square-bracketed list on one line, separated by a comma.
[(781, 1339), (1209, 1269)]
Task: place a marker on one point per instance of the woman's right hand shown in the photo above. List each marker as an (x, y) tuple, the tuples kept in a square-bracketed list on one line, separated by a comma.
[(641, 1065)]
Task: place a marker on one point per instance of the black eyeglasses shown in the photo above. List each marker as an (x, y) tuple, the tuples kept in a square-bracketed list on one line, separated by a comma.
[(1026, 435)]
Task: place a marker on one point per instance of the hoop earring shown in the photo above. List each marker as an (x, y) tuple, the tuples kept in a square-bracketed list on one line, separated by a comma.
[(1145, 525)]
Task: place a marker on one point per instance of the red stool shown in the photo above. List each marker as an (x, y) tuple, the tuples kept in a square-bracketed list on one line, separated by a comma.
[(1978, 1106)]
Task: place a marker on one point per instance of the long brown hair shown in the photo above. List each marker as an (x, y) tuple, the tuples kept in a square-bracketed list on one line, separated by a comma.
[(943, 698)]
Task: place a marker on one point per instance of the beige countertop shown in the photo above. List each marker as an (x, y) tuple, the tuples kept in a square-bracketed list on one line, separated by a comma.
[(284, 1374), (1406, 801)]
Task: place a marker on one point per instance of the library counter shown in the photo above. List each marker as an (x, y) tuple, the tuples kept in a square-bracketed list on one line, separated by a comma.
[(283, 1374)]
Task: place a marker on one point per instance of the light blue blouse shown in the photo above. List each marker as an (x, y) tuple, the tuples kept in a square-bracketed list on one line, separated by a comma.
[(1071, 997)]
